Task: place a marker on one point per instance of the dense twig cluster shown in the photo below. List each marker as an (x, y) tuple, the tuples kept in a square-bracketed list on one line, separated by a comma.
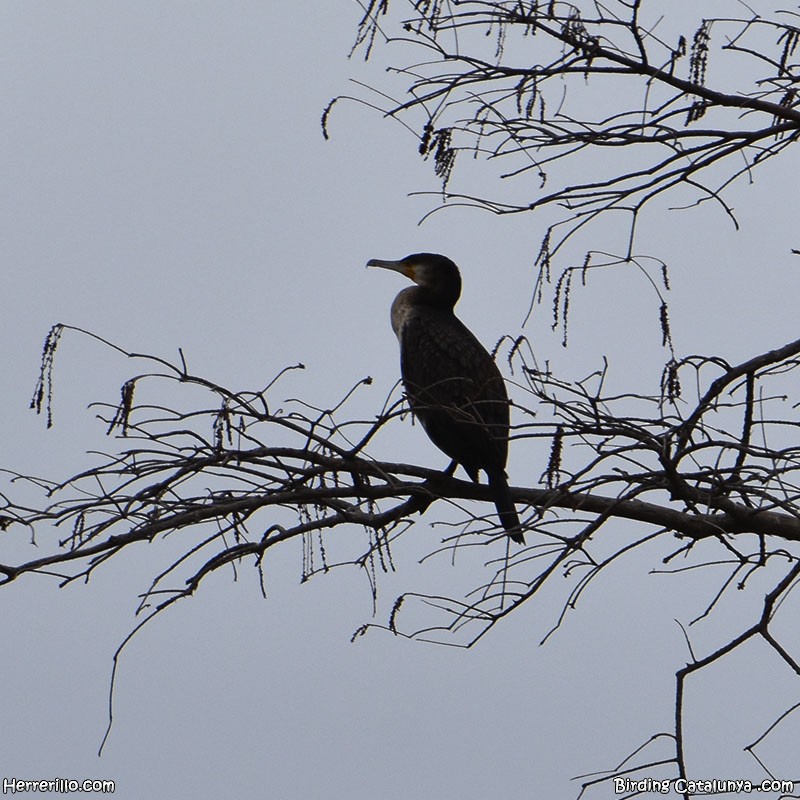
[(591, 107), (245, 474)]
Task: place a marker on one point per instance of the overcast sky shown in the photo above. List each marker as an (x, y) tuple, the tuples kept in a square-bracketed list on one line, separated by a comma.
[(167, 185)]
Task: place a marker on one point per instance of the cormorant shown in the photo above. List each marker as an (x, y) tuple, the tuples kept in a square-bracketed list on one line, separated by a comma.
[(452, 383)]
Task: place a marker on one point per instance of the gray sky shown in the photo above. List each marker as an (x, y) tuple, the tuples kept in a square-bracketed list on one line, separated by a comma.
[(167, 185)]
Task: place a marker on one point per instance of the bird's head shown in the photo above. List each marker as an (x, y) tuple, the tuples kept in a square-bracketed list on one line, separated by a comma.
[(436, 273)]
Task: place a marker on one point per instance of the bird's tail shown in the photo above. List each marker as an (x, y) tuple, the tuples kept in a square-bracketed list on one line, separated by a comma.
[(505, 506)]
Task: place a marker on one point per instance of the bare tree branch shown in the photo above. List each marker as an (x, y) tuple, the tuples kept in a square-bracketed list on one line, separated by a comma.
[(248, 472), (551, 89)]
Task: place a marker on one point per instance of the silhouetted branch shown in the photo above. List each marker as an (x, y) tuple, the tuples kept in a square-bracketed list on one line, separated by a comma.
[(636, 97), (248, 472)]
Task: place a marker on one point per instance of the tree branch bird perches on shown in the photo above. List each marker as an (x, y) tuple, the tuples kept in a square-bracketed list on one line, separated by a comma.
[(453, 385)]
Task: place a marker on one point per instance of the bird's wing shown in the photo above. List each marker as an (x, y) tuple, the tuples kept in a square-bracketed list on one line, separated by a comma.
[(455, 389)]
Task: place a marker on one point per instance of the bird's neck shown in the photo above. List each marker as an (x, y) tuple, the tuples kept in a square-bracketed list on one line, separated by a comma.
[(434, 297)]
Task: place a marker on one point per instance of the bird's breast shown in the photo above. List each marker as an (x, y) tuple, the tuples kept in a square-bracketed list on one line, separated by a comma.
[(402, 311)]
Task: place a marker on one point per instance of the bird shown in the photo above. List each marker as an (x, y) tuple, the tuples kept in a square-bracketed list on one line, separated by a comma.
[(452, 384)]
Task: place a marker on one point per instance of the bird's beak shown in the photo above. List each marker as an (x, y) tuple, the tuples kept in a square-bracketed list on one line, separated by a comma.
[(402, 267)]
